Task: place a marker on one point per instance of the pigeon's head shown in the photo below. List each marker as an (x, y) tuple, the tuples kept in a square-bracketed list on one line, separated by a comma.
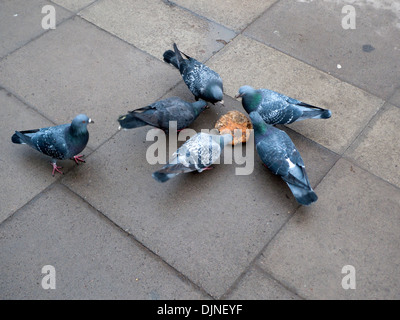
[(214, 93), (245, 90), (80, 122), (251, 98)]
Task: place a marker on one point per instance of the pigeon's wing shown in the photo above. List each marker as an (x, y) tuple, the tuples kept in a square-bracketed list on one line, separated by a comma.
[(275, 108), (197, 76), (154, 113), (51, 141), (160, 114), (278, 112), (297, 174), (198, 152), (274, 157)]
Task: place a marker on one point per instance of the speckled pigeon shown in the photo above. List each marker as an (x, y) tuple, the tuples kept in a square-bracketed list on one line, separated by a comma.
[(160, 113), (203, 82), (61, 142), (196, 154), (280, 155), (276, 108)]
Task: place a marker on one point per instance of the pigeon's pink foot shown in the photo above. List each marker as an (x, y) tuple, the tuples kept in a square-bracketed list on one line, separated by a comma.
[(55, 168), (78, 159), (208, 168)]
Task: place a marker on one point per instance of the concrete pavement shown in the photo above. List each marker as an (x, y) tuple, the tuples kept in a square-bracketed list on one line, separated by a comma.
[(111, 232)]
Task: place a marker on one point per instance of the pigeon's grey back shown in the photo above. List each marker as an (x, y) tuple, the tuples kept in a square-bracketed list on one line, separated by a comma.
[(276, 108), (199, 78), (200, 151)]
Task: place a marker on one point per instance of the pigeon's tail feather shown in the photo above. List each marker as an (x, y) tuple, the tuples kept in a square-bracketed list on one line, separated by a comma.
[(130, 121), (302, 195), (312, 112), (170, 57), (170, 170), (326, 114), (19, 137), (316, 114), (162, 176)]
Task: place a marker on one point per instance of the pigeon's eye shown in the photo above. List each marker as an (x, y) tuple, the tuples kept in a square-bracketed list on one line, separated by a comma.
[(83, 121)]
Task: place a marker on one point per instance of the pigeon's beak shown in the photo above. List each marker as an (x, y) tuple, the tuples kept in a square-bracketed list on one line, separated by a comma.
[(222, 102), (238, 95), (90, 121)]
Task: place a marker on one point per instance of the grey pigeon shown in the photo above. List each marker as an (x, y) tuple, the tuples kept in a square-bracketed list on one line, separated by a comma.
[(196, 154), (61, 142), (276, 108), (203, 82), (280, 155), (160, 113)]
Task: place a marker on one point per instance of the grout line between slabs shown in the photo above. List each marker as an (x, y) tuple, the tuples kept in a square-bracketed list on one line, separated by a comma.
[(30, 200), (141, 245), (26, 103), (377, 113), (271, 277), (77, 11), (353, 162), (38, 36)]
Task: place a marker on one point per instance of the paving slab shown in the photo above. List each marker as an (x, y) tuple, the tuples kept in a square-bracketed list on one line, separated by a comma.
[(356, 223), (234, 14), (21, 21), (395, 99), (73, 5), (92, 258), (82, 69), (24, 172), (377, 149), (248, 62), (312, 31), (209, 226), (257, 285), (153, 26)]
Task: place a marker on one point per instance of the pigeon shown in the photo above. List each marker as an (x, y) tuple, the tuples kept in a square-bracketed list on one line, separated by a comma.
[(279, 154), (160, 113), (61, 142), (203, 82), (276, 108), (196, 154)]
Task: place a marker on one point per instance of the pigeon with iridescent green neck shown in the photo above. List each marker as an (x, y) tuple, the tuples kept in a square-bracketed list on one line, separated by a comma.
[(279, 154), (61, 142), (276, 108)]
